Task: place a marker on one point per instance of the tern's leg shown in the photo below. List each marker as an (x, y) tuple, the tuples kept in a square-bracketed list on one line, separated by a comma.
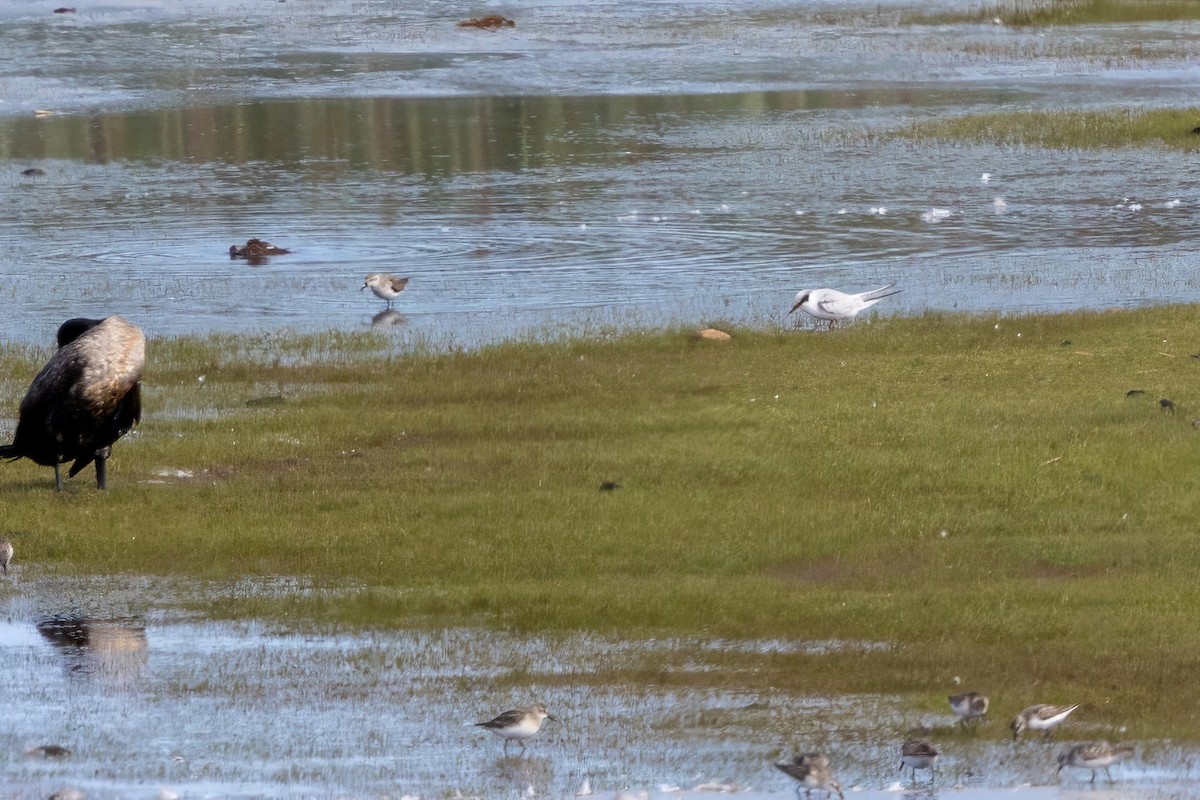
[(1108, 775)]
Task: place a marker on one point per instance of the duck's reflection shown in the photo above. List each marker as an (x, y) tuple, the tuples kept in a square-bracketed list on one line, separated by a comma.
[(113, 648), (388, 318)]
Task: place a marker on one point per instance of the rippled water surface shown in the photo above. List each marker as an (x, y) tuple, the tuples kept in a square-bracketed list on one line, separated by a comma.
[(155, 702), (621, 164)]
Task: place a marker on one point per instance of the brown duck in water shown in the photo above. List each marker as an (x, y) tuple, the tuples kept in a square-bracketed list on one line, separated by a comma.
[(255, 248)]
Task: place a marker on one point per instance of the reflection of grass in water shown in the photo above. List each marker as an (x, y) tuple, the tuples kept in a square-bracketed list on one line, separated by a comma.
[(785, 485), (1076, 12), (1069, 129)]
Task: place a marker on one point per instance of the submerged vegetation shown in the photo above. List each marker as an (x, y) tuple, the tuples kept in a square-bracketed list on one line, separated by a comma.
[(1069, 129), (1002, 499)]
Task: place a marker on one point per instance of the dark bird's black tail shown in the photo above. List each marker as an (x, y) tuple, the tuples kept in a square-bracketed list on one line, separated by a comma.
[(9, 451)]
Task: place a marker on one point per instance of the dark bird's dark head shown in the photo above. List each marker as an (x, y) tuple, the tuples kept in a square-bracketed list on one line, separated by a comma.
[(72, 329)]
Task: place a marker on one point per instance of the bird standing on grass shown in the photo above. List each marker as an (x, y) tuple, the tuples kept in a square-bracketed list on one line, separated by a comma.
[(86, 397), (6, 554), (385, 287), (968, 706), (834, 306), (1041, 717)]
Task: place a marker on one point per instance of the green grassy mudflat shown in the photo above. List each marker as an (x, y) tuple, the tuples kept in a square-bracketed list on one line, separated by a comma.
[(1069, 129), (978, 494), (1080, 12)]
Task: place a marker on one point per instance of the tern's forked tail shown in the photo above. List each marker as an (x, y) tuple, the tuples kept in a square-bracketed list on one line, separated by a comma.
[(881, 292)]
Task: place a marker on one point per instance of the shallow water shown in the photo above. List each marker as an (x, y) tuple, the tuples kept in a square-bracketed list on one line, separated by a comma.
[(152, 699), (598, 164)]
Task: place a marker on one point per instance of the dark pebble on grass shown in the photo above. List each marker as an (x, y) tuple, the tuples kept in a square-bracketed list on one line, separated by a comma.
[(269, 400), (1135, 392), (609, 486), (1166, 405)]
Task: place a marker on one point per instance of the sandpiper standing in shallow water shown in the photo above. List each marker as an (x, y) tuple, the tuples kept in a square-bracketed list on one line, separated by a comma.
[(812, 770), (385, 287), (1094, 756), (968, 706), (918, 754), (518, 724), (1042, 718), (6, 554)]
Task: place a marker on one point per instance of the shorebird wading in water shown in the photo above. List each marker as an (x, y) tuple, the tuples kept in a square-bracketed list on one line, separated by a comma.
[(918, 754), (834, 306), (1094, 756), (518, 724), (385, 287), (812, 770)]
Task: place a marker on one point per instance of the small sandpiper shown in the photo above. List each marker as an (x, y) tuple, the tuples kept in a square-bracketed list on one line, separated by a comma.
[(968, 706), (518, 724), (812, 770), (1041, 717), (6, 554), (1094, 756), (385, 287), (918, 754)]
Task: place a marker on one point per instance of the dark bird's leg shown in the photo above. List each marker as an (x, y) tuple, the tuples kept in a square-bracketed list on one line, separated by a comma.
[(102, 467), (57, 477)]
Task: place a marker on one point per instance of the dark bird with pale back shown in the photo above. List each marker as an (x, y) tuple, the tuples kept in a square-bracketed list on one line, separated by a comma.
[(86, 397)]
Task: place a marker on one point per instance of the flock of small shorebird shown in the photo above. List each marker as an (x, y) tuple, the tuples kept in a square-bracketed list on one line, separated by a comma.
[(812, 771)]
